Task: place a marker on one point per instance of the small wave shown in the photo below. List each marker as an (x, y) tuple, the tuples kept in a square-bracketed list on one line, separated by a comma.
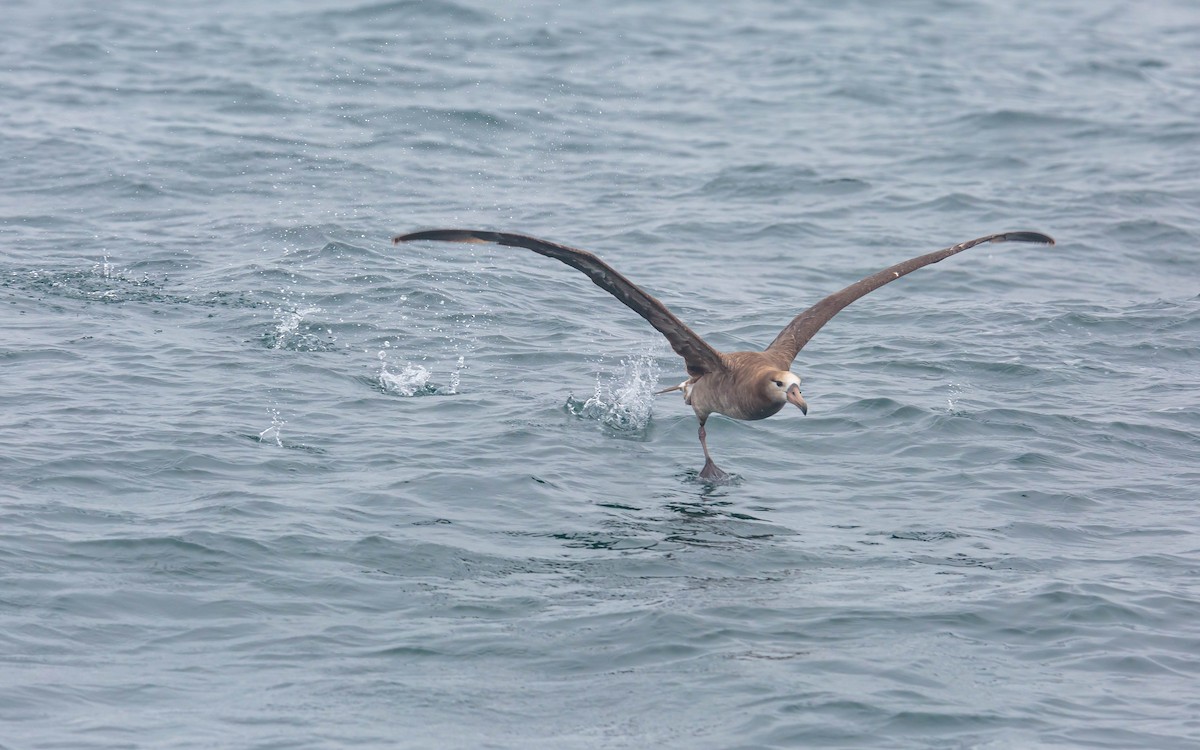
[(406, 11), (625, 401), (758, 180), (103, 282)]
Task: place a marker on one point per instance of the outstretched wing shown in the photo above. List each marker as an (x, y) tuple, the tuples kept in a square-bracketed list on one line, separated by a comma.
[(699, 357), (804, 326)]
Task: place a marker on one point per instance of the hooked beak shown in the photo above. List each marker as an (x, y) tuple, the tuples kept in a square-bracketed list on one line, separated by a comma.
[(794, 397)]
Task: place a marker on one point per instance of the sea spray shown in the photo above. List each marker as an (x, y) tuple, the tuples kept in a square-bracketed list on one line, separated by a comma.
[(623, 402)]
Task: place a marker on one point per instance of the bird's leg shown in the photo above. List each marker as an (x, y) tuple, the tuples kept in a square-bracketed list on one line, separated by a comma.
[(710, 470)]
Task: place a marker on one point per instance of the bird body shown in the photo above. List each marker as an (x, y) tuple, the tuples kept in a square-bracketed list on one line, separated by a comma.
[(744, 389), (741, 385)]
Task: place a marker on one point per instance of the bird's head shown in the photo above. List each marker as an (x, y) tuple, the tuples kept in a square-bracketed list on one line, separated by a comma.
[(785, 386)]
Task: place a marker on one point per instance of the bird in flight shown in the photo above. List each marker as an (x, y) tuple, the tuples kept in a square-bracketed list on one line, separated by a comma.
[(741, 385)]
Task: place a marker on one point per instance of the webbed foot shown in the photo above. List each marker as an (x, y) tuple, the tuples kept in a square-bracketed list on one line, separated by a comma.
[(711, 473)]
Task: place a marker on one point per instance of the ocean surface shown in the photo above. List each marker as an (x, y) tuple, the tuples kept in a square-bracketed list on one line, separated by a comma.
[(269, 481)]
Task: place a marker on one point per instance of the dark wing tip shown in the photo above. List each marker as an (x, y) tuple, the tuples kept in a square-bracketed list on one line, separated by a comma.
[(1038, 237), (443, 235)]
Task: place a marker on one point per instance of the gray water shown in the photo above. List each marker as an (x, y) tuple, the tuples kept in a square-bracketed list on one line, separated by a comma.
[(267, 481)]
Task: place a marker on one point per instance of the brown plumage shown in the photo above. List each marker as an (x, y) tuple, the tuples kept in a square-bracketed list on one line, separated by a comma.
[(741, 385)]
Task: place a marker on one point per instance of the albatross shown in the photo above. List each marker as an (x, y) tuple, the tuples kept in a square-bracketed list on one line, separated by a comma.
[(741, 385)]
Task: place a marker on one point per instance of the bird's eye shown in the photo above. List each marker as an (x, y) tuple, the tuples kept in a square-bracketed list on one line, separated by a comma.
[(779, 383)]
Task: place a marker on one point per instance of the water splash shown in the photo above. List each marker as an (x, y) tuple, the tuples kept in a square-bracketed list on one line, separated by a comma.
[(104, 269), (957, 391), (625, 401), (413, 379), (410, 381), (292, 331), (456, 376), (274, 432)]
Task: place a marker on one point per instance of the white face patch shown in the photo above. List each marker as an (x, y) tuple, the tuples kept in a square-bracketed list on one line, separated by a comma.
[(782, 381)]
